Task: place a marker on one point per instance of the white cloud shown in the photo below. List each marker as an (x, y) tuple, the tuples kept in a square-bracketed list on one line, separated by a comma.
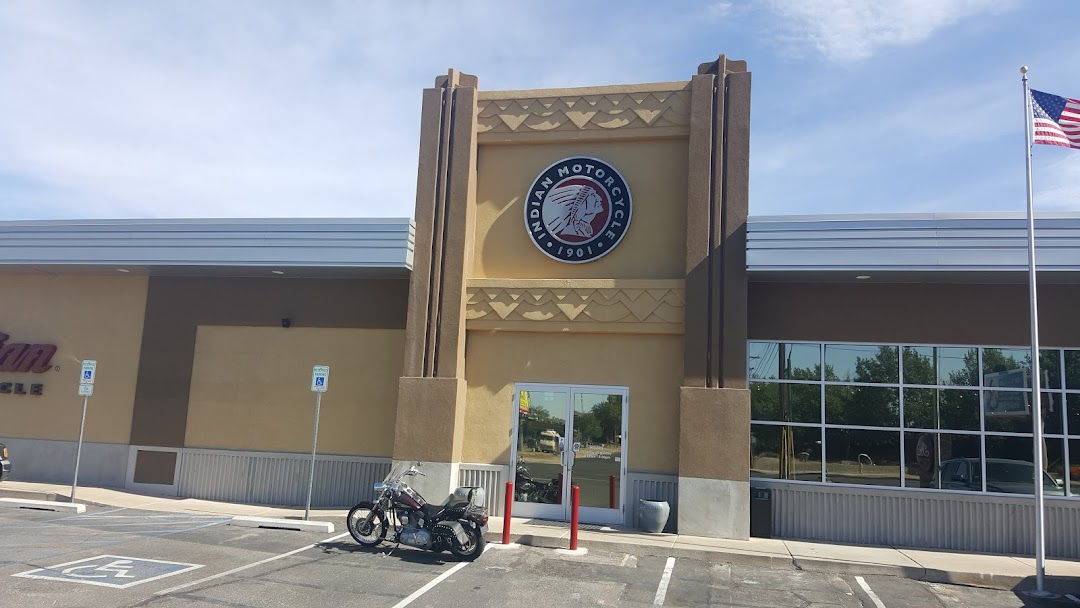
[(268, 108), (1056, 184), (851, 30)]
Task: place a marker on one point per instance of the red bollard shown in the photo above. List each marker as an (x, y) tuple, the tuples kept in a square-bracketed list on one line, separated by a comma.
[(506, 512), (575, 498), (611, 492)]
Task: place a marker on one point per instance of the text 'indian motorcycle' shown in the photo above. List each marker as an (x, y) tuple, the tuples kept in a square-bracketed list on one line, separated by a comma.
[(458, 525)]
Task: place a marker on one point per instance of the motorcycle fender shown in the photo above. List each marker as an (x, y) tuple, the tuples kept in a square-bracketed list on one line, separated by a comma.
[(458, 530)]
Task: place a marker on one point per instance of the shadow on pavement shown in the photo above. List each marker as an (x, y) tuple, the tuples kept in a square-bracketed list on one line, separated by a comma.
[(403, 553), (1058, 588)]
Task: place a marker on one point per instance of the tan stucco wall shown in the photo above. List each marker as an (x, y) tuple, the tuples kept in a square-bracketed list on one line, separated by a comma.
[(650, 365), (86, 317), (655, 243), (251, 389)]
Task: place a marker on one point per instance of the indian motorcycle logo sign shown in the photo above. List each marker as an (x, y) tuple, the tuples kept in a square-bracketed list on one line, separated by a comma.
[(578, 209)]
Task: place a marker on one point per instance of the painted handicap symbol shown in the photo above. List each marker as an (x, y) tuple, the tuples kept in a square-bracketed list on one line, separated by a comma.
[(114, 571), (120, 567)]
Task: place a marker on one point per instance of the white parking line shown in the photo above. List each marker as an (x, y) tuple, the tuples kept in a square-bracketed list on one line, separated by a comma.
[(665, 580), (1073, 597), (870, 592), (438, 579), (258, 563)]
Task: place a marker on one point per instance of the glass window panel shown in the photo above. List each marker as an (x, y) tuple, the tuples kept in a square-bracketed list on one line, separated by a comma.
[(862, 405), (783, 361), (919, 365), (957, 457), (1011, 368), (1074, 467), (782, 402), (1072, 369), (1010, 465), (785, 452), (928, 408), (958, 366), (862, 457), (862, 363), (1010, 412), (946, 366), (1072, 401)]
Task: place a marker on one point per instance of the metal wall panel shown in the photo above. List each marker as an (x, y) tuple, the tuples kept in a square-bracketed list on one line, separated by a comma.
[(491, 477), (922, 519), (361, 243), (278, 479), (911, 242), (650, 486)]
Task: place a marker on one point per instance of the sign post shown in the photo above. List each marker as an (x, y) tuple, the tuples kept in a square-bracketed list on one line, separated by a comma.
[(320, 376), (86, 388)]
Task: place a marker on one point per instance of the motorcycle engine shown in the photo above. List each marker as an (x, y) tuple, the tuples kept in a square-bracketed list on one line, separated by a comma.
[(415, 537)]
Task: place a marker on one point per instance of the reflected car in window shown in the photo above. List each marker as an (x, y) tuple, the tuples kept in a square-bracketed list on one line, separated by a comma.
[(5, 464), (1002, 475)]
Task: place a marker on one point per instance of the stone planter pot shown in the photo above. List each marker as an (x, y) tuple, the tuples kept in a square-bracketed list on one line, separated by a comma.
[(653, 515)]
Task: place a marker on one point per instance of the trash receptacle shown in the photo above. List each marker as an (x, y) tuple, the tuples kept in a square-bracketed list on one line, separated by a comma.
[(761, 512)]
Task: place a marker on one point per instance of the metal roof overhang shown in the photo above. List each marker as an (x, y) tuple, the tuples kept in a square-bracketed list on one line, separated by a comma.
[(915, 248), (310, 248)]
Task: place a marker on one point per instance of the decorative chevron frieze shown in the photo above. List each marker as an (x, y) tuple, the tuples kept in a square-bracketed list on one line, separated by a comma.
[(604, 112), (552, 305)]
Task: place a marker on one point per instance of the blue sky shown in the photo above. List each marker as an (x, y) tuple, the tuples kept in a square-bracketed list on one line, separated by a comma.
[(204, 108)]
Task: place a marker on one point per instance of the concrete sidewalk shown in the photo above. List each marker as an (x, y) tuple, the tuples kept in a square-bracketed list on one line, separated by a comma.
[(981, 570)]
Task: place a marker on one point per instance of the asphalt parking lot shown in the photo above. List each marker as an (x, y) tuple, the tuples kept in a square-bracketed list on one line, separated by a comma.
[(123, 557)]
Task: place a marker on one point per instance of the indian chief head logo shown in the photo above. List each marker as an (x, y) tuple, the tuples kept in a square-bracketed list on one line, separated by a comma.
[(578, 209)]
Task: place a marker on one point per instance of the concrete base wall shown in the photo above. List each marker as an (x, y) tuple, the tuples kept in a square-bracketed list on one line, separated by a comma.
[(47, 461), (719, 508), (437, 482)]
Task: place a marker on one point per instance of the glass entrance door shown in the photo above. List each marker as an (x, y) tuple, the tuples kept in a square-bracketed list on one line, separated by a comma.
[(568, 435)]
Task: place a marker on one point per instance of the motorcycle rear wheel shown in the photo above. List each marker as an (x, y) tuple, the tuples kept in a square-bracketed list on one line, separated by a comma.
[(367, 533), (475, 547)]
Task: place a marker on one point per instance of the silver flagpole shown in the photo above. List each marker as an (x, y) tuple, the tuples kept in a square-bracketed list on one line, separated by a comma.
[(1036, 398)]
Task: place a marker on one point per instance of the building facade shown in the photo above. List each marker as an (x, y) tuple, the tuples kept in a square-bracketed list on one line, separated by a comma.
[(581, 300)]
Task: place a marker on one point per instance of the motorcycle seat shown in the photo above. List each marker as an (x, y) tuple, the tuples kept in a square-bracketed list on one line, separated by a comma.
[(431, 511)]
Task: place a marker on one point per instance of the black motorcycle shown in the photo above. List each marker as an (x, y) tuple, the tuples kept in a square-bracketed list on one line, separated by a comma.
[(459, 525), (528, 489)]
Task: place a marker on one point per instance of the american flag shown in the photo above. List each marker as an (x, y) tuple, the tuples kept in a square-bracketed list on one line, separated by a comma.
[(1057, 120)]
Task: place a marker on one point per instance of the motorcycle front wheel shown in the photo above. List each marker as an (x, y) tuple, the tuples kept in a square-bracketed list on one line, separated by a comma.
[(367, 524), (473, 549)]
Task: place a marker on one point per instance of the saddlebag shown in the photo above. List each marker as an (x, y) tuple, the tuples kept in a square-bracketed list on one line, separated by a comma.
[(455, 529)]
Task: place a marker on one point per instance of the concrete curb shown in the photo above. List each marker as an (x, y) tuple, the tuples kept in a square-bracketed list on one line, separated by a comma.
[(283, 524), (44, 505), (917, 573)]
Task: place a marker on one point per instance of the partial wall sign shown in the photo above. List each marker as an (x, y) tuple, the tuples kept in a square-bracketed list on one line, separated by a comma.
[(20, 357), (578, 209), (23, 357)]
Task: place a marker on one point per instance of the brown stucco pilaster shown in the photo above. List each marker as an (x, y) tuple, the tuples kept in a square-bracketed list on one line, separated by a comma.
[(431, 397), (714, 405)]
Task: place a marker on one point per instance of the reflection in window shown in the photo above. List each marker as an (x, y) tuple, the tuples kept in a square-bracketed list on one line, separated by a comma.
[(1072, 369), (785, 402), (957, 457), (1072, 400), (928, 408), (1010, 467), (785, 452), (944, 366), (862, 457), (1074, 467), (1011, 368), (862, 405), (1010, 412), (855, 363), (783, 361)]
